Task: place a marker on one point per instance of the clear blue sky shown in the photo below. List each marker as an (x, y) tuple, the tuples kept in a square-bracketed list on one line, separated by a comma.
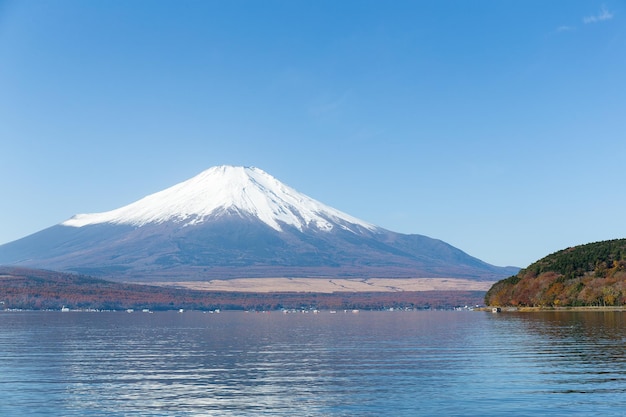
[(496, 126)]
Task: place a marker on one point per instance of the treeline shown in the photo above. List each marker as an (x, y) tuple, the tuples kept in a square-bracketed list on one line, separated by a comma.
[(588, 275), (40, 290)]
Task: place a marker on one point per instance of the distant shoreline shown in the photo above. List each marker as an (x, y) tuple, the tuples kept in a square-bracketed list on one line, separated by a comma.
[(32, 289)]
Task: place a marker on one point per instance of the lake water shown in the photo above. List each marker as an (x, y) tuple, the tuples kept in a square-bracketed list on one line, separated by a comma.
[(345, 364)]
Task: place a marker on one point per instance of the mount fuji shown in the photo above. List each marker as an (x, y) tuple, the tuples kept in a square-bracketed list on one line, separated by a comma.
[(237, 222)]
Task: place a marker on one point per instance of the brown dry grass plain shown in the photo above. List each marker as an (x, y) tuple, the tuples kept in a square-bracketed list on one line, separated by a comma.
[(332, 285)]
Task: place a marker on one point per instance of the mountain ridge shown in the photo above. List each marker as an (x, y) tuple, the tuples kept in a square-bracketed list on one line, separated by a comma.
[(237, 222)]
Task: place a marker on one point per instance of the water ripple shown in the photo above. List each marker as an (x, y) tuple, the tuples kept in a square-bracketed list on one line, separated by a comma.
[(366, 364)]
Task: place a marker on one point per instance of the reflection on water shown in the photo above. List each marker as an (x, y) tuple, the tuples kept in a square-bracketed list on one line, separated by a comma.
[(580, 352), (366, 364)]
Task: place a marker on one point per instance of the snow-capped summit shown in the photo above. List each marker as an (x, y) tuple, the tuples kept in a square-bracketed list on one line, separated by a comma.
[(226, 189)]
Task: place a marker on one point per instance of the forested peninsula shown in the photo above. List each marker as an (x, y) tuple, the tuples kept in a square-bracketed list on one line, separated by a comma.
[(587, 275)]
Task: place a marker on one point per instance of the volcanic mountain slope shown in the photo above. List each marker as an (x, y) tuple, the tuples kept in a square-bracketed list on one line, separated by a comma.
[(232, 222)]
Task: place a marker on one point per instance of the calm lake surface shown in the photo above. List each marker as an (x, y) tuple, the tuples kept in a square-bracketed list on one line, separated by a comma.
[(344, 364)]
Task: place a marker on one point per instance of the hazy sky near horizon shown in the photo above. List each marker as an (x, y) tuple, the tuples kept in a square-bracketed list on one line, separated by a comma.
[(496, 126)]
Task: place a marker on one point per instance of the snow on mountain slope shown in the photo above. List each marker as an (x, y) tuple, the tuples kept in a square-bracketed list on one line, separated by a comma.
[(227, 189)]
